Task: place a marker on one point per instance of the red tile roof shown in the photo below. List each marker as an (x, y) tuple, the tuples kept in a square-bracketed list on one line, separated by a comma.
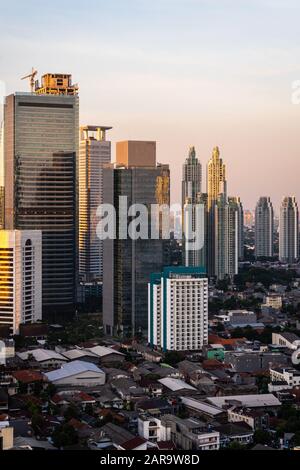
[(133, 443), (28, 376)]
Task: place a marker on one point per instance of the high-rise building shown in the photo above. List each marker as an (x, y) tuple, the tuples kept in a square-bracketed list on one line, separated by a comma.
[(227, 235), (94, 152), (127, 262), (216, 180), (248, 218), (178, 309), (194, 210), (216, 177), (20, 277), (191, 178), (289, 230), (237, 203), (264, 228), (2, 207), (40, 152)]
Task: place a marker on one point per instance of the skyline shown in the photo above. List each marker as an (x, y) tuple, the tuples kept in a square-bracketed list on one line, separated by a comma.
[(225, 80)]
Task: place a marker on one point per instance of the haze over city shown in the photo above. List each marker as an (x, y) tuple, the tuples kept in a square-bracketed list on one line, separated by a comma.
[(197, 72)]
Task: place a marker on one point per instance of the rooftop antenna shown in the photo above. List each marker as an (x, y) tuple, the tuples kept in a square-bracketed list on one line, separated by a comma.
[(31, 76)]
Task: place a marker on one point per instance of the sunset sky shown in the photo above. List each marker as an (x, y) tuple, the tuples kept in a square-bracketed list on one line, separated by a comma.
[(181, 72)]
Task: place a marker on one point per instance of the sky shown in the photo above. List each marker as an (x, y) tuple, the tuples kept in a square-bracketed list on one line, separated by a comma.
[(180, 72)]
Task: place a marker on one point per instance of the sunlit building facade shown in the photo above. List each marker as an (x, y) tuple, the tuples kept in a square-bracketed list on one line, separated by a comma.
[(94, 152), (289, 231), (20, 277), (264, 228)]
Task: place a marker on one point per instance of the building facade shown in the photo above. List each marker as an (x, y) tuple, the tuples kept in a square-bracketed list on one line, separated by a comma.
[(289, 230), (40, 152), (128, 263), (178, 309), (94, 152), (264, 228), (20, 275)]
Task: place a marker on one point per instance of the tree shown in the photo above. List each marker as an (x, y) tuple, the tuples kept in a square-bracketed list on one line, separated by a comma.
[(172, 358), (71, 412), (262, 437), (64, 435)]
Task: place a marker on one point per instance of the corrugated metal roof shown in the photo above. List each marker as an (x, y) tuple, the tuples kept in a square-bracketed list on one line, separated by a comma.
[(175, 384), (72, 368)]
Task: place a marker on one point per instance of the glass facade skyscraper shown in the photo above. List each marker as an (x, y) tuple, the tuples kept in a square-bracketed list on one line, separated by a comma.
[(40, 152), (129, 263)]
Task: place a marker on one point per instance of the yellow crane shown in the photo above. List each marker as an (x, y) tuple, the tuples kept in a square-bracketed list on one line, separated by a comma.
[(31, 76)]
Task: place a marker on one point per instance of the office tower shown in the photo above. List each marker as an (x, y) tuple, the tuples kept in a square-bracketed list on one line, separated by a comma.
[(2, 207), (94, 152), (40, 151), (178, 309), (237, 203), (191, 178), (289, 231), (128, 263), (216, 178), (226, 226), (193, 211), (20, 276), (264, 228)]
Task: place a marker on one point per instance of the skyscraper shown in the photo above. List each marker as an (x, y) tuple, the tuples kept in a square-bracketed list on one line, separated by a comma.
[(216, 179), (40, 152), (178, 309), (20, 277), (192, 198), (94, 152), (237, 203), (289, 230), (129, 262), (264, 228), (191, 178)]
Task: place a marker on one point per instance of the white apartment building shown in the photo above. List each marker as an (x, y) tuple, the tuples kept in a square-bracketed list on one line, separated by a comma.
[(289, 375), (94, 153), (20, 277), (178, 309)]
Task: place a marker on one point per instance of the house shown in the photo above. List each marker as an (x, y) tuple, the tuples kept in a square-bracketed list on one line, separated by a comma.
[(79, 354), (255, 419), (127, 389), (46, 358), (202, 409), (28, 381), (154, 406), (235, 432), (77, 374), (76, 397), (190, 434), (284, 379), (176, 385), (107, 355)]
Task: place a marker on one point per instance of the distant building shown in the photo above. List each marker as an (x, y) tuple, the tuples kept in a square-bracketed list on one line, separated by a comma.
[(289, 340), (178, 309), (94, 152), (289, 231), (274, 301), (264, 228), (2, 207), (254, 361), (20, 275)]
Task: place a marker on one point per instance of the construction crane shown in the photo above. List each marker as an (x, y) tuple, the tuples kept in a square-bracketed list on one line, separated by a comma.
[(31, 76)]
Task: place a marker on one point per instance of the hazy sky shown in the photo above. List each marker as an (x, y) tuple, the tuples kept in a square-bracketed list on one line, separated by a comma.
[(181, 72)]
